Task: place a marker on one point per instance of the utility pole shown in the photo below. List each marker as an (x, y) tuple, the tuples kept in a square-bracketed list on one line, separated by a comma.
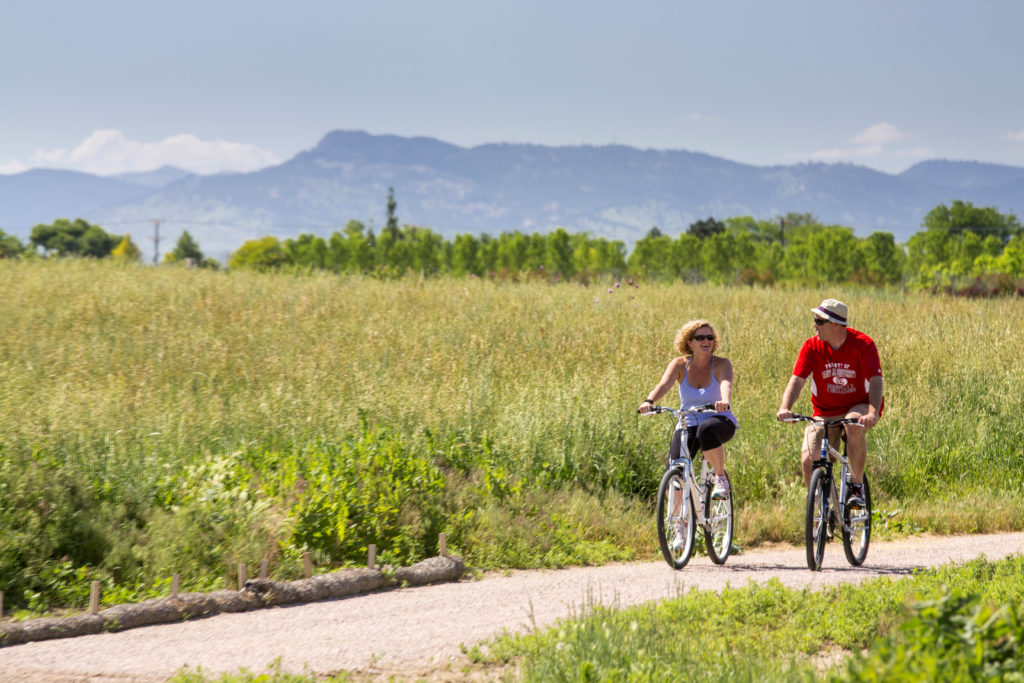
[(156, 240), (782, 231)]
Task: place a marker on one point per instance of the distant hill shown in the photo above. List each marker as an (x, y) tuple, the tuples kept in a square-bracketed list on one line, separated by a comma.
[(165, 175), (612, 191), (964, 175), (41, 196)]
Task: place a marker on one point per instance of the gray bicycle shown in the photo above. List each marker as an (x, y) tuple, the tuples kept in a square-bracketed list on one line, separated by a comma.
[(826, 502)]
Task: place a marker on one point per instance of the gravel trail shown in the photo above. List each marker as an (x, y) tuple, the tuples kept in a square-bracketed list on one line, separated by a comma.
[(421, 629)]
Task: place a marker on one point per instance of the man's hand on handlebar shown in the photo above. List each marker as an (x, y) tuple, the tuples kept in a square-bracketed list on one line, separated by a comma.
[(868, 420), (784, 415)]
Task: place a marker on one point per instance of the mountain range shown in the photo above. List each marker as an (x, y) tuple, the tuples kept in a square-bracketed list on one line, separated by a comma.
[(612, 191)]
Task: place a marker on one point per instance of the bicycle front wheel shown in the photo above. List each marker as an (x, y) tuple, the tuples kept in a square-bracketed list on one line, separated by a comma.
[(676, 516), (857, 529), (718, 525), (816, 520)]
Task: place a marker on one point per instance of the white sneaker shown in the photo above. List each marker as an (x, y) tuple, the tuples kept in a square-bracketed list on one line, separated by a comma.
[(721, 490)]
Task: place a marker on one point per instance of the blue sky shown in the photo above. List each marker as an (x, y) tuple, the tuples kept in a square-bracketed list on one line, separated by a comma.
[(113, 86)]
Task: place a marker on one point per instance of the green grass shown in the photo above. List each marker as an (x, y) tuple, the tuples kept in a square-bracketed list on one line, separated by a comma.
[(953, 623), (159, 419)]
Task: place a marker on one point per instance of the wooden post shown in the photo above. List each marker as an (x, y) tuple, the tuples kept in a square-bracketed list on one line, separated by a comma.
[(243, 575), (263, 568), (371, 556), (175, 585), (94, 598), (1, 603), (307, 563), (442, 545)]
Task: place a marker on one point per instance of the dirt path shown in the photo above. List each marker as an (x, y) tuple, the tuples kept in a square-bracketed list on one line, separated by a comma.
[(420, 629)]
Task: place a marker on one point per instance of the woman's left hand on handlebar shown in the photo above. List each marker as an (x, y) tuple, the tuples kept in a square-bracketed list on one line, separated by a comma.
[(722, 406)]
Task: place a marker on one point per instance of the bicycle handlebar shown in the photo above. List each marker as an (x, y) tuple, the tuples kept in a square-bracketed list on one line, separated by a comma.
[(823, 421), (706, 408)]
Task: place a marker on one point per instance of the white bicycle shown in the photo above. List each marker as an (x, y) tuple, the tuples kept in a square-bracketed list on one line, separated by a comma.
[(685, 502)]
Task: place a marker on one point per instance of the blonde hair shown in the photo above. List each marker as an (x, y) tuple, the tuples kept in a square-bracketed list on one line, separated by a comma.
[(686, 332)]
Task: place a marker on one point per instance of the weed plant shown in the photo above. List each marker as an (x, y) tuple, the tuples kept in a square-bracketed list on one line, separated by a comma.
[(155, 420)]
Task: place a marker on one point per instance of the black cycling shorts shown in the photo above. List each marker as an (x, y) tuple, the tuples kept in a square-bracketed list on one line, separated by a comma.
[(711, 433)]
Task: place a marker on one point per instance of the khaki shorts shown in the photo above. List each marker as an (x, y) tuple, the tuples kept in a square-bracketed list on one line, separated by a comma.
[(813, 434)]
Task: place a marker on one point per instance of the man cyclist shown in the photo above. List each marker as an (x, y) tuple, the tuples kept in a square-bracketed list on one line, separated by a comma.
[(846, 381)]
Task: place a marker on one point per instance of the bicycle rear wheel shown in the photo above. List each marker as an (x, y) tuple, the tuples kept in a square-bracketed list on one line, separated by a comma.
[(676, 527), (858, 521), (816, 521), (719, 525)]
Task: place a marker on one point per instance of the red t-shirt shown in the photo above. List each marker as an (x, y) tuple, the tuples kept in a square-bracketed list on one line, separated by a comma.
[(840, 376)]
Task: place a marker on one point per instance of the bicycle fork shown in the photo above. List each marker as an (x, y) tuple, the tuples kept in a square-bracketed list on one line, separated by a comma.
[(691, 490)]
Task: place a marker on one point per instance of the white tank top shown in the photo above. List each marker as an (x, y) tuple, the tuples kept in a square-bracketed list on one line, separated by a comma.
[(690, 397)]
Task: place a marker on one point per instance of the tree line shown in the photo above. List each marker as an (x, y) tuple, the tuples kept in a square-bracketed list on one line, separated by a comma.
[(79, 238), (960, 248), (974, 250)]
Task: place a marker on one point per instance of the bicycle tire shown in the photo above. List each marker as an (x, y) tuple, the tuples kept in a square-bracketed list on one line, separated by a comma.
[(719, 525), (670, 509), (815, 520), (857, 540)]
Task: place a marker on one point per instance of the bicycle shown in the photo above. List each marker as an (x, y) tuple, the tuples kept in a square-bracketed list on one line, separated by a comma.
[(824, 499), (684, 502)]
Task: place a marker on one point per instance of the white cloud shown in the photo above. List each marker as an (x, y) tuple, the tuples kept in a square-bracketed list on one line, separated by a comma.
[(878, 134), (873, 145), (1015, 136), (107, 152), (12, 167)]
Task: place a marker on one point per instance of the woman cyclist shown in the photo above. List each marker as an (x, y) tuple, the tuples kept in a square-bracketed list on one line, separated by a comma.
[(703, 378)]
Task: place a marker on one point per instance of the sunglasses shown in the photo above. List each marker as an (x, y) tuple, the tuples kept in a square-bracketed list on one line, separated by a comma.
[(703, 337), (819, 322)]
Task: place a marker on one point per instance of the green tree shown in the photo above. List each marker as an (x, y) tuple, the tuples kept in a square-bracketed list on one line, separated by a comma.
[(558, 254), (393, 253), (73, 238), (513, 250), (1011, 261), (964, 216), (10, 246), (882, 258), (464, 251), (725, 254), (653, 256), (306, 251), (686, 257), (352, 251), (822, 254), (391, 228), (706, 228), (426, 249), (186, 249), (265, 253)]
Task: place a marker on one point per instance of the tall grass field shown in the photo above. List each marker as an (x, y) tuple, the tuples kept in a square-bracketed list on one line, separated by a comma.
[(162, 420)]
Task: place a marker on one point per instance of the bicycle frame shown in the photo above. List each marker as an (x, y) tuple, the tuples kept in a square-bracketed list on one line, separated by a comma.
[(828, 453), (696, 486)]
